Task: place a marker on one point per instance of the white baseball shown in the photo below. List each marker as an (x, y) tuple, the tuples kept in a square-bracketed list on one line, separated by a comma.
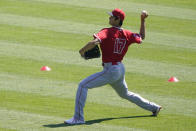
[(144, 12)]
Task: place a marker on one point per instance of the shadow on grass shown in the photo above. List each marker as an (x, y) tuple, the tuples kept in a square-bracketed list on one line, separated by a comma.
[(90, 122)]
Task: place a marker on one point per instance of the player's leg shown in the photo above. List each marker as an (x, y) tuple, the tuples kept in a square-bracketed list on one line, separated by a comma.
[(121, 88), (122, 91), (95, 80), (108, 75)]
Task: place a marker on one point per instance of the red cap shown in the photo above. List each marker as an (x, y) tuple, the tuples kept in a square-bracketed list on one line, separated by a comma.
[(119, 13)]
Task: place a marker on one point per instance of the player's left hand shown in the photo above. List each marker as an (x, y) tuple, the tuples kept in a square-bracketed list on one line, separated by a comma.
[(81, 52), (90, 54)]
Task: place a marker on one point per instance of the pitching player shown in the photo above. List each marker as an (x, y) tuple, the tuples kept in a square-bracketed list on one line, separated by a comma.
[(114, 43)]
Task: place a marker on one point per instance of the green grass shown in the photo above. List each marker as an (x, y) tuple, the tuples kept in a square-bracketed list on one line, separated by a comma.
[(189, 4), (34, 33)]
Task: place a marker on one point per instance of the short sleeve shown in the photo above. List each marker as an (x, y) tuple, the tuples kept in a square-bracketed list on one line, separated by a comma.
[(135, 38), (101, 35)]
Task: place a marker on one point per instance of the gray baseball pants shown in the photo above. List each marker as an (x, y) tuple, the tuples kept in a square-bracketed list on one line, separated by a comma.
[(113, 74)]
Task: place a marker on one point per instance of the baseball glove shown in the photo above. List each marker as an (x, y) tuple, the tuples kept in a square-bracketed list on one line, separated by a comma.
[(93, 53)]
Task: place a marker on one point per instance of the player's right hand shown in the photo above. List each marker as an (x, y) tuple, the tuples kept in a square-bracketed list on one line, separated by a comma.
[(144, 14)]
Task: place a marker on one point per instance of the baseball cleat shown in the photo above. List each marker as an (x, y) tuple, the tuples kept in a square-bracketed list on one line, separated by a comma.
[(74, 121), (155, 113)]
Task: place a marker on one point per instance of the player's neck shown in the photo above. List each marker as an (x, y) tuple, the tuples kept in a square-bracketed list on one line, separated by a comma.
[(115, 25), (118, 27)]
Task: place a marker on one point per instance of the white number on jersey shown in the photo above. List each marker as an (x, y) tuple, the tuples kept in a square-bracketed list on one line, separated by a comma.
[(119, 45)]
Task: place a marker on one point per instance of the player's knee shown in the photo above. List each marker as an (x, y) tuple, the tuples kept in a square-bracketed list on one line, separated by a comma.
[(124, 94), (83, 84)]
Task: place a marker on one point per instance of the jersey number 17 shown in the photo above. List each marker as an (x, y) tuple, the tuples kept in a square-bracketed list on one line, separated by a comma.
[(119, 45)]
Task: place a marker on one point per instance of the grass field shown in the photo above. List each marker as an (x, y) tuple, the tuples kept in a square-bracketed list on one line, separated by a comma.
[(34, 33)]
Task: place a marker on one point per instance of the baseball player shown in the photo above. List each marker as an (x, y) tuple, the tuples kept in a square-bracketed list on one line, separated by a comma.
[(114, 43)]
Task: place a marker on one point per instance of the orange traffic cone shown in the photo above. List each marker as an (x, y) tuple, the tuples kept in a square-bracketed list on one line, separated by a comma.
[(45, 68), (173, 79)]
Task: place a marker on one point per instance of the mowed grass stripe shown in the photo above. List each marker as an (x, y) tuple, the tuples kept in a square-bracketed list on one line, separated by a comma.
[(158, 10), (6, 129), (80, 28), (175, 3), (147, 51), (95, 113), (66, 89), (162, 53), (53, 39), (24, 121), (158, 69), (34, 104), (73, 74), (66, 12), (49, 24), (40, 122)]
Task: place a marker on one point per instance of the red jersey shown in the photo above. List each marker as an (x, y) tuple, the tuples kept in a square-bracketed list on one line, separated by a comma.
[(114, 43)]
